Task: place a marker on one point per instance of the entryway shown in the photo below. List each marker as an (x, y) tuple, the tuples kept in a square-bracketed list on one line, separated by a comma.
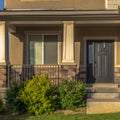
[(100, 61)]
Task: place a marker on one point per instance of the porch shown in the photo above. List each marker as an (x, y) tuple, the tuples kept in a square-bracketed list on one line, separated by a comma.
[(63, 43), (34, 38)]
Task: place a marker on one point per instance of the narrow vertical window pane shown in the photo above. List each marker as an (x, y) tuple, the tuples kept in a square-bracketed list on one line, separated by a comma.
[(50, 49), (35, 49), (90, 53)]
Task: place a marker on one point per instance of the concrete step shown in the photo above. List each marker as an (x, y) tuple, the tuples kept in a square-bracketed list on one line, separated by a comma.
[(106, 90), (103, 95), (3, 89), (102, 85), (98, 106), (103, 90), (103, 100), (3, 93)]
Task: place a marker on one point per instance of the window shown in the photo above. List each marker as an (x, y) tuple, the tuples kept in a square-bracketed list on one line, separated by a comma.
[(112, 4), (43, 49)]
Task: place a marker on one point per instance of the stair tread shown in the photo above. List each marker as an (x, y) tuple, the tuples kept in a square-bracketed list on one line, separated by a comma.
[(103, 90)]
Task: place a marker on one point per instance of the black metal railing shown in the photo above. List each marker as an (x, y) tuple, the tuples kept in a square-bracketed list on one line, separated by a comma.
[(18, 73)]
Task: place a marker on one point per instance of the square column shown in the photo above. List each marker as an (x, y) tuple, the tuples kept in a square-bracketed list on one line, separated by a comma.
[(3, 57), (2, 42), (68, 42)]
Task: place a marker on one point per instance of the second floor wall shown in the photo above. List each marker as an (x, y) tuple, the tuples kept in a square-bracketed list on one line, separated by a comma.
[(62, 4), (54, 4)]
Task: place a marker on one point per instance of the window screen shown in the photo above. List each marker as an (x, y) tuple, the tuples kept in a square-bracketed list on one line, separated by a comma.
[(43, 49), (50, 49), (35, 49)]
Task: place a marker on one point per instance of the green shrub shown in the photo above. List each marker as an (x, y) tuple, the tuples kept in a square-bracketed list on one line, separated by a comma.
[(2, 108), (39, 96), (13, 101), (72, 94)]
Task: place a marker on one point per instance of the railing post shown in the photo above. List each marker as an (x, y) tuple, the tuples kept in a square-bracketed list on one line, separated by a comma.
[(8, 75), (58, 74)]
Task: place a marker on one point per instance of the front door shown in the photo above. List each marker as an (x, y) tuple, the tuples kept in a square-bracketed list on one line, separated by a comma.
[(100, 61)]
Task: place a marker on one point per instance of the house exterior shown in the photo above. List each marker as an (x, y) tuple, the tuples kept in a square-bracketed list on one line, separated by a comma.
[(71, 39)]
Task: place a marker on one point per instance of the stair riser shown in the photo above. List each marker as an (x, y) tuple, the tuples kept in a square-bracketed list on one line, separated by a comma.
[(102, 107), (109, 90), (101, 85), (3, 93), (103, 95)]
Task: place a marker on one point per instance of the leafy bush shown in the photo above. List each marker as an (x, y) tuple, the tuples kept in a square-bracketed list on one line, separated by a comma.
[(72, 94), (2, 108), (13, 101), (39, 96)]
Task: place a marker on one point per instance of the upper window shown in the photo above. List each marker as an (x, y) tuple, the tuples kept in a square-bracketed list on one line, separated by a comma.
[(43, 49), (112, 4)]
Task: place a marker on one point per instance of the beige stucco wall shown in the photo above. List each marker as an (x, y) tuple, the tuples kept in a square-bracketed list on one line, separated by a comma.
[(16, 49), (54, 4)]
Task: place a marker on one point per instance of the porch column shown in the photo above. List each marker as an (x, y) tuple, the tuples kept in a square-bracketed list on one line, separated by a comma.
[(2, 42), (68, 42), (3, 57)]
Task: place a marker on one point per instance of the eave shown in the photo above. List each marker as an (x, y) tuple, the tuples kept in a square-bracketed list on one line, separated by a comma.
[(58, 16)]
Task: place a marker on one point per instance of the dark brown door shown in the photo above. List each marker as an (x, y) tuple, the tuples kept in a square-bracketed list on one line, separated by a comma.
[(100, 61)]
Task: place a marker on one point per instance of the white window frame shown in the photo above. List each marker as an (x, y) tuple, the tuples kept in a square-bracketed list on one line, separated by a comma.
[(42, 33), (106, 4)]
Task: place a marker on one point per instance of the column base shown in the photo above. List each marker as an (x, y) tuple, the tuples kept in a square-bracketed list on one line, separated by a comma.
[(3, 76), (117, 75), (68, 61), (2, 62), (68, 72)]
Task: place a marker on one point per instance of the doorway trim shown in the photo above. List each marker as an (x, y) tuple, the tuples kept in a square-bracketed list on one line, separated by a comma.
[(87, 38)]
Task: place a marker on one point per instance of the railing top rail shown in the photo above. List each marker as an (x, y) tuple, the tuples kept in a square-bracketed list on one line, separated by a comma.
[(34, 66)]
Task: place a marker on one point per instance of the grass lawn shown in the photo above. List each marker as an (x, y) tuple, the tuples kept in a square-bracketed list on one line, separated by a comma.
[(112, 116)]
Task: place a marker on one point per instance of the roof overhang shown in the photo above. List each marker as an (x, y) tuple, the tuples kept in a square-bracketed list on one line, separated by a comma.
[(57, 12), (35, 17)]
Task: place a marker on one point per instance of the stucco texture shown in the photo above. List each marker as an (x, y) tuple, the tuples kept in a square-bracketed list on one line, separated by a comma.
[(55, 4)]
